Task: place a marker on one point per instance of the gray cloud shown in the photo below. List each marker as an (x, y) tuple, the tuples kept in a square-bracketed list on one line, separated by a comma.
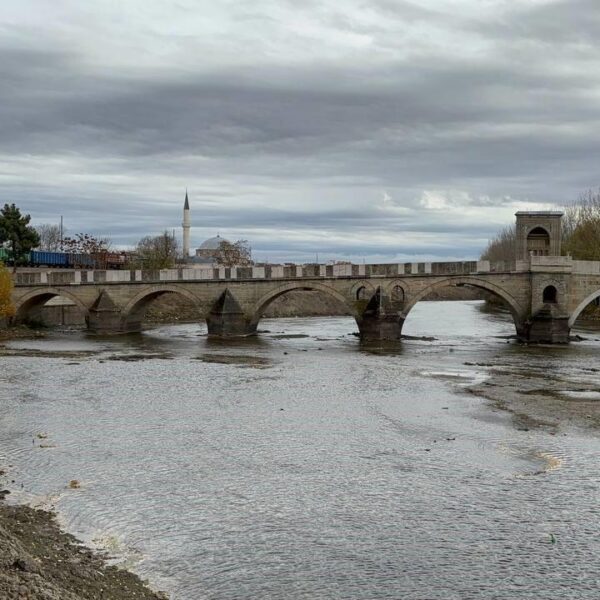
[(352, 126)]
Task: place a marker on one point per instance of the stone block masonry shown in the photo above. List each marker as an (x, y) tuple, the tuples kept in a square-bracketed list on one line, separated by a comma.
[(235, 299)]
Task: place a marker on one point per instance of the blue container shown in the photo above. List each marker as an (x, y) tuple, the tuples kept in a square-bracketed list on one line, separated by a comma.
[(48, 259)]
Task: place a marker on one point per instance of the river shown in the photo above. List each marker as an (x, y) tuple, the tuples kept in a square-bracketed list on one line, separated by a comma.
[(298, 465)]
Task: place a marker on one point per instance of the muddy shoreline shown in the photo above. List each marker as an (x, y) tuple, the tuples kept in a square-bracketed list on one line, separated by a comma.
[(38, 561), (20, 332), (537, 400)]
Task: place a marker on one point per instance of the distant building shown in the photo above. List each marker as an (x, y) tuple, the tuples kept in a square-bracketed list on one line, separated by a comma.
[(210, 246), (187, 224), (205, 254)]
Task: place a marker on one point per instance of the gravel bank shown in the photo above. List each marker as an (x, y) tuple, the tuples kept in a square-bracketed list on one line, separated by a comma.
[(40, 562)]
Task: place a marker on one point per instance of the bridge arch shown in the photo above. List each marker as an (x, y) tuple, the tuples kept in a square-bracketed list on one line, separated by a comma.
[(362, 290), (38, 297), (516, 310), (575, 314), (397, 291), (134, 311), (261, 305)]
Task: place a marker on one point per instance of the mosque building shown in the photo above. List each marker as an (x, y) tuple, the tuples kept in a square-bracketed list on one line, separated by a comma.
[(205, 254)]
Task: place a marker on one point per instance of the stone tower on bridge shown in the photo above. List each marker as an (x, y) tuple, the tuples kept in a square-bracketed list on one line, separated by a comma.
[(538, 233)]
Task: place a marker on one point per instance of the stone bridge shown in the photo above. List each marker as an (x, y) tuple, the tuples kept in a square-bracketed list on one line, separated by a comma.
[(544, 294)]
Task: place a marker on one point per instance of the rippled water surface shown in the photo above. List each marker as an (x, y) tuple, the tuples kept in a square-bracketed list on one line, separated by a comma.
[(298, 465)]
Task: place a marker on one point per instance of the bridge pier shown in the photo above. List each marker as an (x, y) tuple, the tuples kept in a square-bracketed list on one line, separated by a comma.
[(227, 319), (105, 317), (548, 326), (381, 320), (380, 328)]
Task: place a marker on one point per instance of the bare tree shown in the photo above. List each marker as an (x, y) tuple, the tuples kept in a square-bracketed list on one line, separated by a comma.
[(502, 247), (581, 227), (50, 237), (156, 252), (84, 243), (238, 254)]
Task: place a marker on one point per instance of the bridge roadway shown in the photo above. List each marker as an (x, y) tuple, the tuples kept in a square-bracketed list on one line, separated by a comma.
[(544, 294)]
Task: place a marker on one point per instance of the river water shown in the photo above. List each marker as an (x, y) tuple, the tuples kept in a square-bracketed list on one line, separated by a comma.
[(298, 465)]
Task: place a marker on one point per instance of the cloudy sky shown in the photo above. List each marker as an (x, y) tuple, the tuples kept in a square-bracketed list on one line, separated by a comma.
[(362, 129)]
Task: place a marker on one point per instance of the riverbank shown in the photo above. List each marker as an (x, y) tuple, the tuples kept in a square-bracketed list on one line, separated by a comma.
[(20, 333), (40, 562), (537, 399)]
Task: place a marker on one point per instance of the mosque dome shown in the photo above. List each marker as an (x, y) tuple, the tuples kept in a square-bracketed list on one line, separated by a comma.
[(212, 243), (209, 247)]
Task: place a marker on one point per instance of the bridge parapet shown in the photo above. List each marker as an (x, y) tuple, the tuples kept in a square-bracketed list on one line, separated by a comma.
[(551, 264), (364, 271), (586, 267)]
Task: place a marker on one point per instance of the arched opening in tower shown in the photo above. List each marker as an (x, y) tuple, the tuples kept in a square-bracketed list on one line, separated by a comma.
[(550, 295), (538, 242)]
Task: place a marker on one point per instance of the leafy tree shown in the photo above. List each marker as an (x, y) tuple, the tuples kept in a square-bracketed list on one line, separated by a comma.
[(84, 243), (16, 233), (50, 237), (7, 308), (156, 252), (238, 254)]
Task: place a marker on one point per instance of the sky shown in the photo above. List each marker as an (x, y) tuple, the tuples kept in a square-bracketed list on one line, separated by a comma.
[(364, 130)]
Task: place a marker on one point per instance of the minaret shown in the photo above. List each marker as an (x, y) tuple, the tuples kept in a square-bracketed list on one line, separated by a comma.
[(186, 227)]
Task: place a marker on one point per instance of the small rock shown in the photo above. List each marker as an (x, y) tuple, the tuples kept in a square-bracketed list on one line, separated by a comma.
[(25, 565), (4, 493), (74, 484)]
